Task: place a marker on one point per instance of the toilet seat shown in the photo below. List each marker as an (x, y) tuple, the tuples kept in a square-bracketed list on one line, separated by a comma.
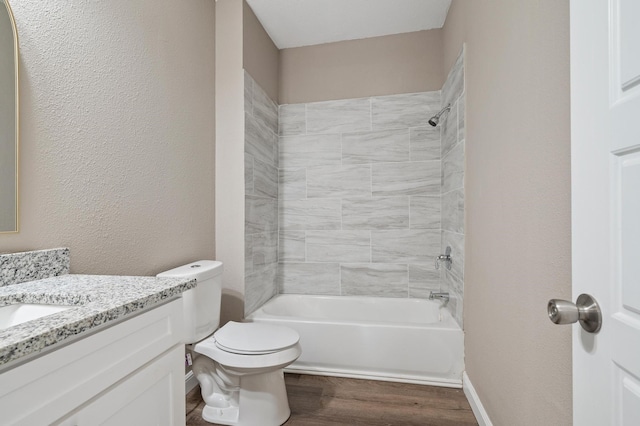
[(252, 346), (254, 338)]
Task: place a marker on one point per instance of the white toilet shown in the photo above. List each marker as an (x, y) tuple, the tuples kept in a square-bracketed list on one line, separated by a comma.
[(239, 367)]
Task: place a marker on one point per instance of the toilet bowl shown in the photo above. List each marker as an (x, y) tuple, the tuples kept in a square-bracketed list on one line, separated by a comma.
[(240, 366)]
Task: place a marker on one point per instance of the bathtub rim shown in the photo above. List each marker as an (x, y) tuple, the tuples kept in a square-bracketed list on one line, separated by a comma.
[(447, 321)]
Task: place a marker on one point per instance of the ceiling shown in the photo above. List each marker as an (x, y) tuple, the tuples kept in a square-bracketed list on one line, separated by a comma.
[(294, 23)]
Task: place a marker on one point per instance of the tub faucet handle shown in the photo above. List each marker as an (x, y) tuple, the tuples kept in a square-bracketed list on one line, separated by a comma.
[(446, 257)]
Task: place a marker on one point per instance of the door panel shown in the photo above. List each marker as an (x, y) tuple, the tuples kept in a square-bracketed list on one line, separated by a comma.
[(605, 147)]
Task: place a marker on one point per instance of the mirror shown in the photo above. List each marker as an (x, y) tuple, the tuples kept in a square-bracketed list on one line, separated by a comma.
[(8, 120)]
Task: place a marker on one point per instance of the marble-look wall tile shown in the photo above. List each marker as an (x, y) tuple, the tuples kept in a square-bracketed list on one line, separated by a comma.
[(292, 184), (338, 181), (402, 111), (310, 150), (454, 85), (425, 212), (456, 242), (453, 211), (416, 178), (248, 254), (292, 119), (260, 287), (449, 130), (455, 306), (349, 115), (276, 150), (453, 151), (260, 142), (248, 174), (309, 278), (338, 246), (261, 195), (16, 268), (423, 279), (265, 179), (378, 146), (424, 143), (291, 246), (264, 250), (453, 168), (360, 196), (405, 246), (312, 214), (261, 214), (374, 279), (248, 93), (264, 109), (461, 117), (376, 213), (451, 282)]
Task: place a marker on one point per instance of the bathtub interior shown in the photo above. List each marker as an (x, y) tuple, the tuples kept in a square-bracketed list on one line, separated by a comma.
[(356, 308)]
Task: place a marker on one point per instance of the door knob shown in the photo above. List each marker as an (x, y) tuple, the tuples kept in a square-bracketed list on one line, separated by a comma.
[(585, 310)]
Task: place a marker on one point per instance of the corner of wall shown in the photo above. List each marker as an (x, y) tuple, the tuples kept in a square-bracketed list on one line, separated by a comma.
[(261, 57)]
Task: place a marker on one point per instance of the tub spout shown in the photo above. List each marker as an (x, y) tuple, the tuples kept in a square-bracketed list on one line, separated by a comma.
[(442, 296)]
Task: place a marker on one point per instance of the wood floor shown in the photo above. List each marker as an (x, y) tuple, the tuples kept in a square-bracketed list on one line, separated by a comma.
[(321, 401)]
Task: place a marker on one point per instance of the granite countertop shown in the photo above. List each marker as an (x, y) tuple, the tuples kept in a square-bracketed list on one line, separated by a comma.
[(97, 300)]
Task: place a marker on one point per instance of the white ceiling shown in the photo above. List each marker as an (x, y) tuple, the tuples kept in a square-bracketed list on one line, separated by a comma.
[(294, 23)]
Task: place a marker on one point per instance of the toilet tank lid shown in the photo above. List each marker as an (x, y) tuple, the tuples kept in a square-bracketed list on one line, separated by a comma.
[(200, 270)]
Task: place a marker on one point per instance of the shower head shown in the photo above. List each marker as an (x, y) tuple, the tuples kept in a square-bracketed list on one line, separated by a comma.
[(436, 118)]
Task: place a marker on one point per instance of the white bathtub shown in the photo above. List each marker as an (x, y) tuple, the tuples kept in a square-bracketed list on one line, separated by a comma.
[(401, 340)]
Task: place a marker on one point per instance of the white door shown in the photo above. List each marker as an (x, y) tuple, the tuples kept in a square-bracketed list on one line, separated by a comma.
[(605, 151)]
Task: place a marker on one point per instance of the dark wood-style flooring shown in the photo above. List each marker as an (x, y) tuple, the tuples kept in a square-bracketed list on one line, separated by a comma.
[(321, 401)]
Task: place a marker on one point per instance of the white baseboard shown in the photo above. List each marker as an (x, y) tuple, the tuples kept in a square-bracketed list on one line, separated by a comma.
[(476, 405), (190, 382)]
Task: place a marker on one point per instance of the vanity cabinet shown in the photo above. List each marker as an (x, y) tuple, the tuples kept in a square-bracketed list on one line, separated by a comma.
[(130, 373)]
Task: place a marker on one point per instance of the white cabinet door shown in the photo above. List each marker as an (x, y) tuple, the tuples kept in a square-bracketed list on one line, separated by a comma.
[(53, 385), (605, 151), (154, 395)]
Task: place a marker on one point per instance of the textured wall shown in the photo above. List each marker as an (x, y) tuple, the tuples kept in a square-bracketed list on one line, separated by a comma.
[(230, 184), (261, 195), (387, 65), (117, 147), (359, 191), (517, 184), (452, 135)]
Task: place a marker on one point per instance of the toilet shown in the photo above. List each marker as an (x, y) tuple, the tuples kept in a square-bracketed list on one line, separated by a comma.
[(239, 366)]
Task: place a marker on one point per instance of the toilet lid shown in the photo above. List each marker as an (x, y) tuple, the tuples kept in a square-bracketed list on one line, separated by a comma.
[(254, 338)]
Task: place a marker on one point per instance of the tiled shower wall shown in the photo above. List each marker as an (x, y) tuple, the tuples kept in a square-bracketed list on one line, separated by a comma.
[(261, 195), (453, 150), (360, 196)]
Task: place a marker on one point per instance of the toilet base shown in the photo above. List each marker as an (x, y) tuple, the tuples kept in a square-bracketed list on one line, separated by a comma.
[(262, 402)]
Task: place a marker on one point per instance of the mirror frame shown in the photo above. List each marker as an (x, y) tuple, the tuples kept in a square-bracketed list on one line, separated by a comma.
[(16, 61)]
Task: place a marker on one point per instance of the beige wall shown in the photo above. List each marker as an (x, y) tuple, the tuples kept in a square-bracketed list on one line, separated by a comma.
[(117, 136), (230, 187), (401, 63), (518, 204), (260, 55)]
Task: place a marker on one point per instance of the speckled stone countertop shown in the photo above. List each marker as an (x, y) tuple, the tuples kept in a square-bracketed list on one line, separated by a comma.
[(97, 300)]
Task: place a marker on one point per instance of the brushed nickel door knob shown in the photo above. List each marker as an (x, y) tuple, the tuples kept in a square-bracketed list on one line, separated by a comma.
[(586, 311)]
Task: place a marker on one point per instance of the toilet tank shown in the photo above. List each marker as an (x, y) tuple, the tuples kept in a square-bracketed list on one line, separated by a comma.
[(202, 303)]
